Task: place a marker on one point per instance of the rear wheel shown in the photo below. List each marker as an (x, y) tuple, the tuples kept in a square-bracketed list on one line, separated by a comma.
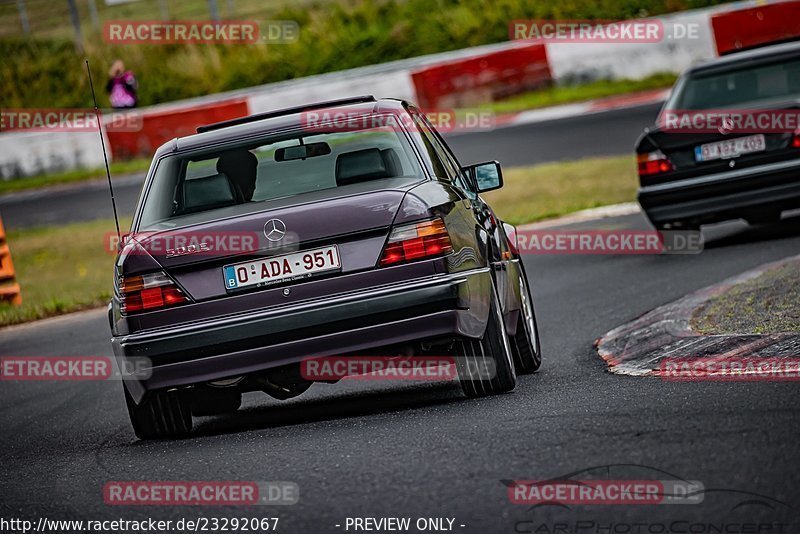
[(525, 343), (164, 414), (484, 365)]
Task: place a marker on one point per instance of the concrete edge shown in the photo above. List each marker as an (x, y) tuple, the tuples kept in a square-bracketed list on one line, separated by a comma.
[(602, 212), (638, 347)]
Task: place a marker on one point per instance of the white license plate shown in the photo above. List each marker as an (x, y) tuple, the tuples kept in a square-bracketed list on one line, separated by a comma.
[(282, 268), (732, 148)]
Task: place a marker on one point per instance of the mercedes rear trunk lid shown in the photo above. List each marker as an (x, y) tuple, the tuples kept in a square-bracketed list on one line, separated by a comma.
[(343, 228)]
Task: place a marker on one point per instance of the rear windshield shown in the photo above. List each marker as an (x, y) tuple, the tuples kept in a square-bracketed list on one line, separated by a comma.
[(197, 187), (751, 85)]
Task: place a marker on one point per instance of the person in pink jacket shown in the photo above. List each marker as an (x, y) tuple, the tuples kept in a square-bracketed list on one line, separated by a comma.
[(121, 86)]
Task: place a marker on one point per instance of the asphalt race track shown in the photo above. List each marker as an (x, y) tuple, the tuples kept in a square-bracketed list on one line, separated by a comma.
[(605, 133), (372, 449), (408, 450)]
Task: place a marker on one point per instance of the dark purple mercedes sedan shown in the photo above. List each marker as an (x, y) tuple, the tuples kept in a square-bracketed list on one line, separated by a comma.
[(344, 228)]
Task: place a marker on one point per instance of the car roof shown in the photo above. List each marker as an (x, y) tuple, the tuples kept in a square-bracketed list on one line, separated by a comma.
[(278, 120), (733, 61)]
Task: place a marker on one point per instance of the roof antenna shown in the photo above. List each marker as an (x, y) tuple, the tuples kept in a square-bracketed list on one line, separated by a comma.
[(105, 155)]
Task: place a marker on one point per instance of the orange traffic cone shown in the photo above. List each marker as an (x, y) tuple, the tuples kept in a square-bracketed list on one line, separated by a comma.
[(9, 288)]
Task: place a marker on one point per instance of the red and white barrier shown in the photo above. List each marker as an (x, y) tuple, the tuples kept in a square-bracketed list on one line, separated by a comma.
[(396, 84), (574, 63), (440, 81), (754, 26), (488, 77), (159, 126)]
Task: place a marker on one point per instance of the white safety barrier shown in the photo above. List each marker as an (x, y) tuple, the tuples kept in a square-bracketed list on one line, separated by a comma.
[(26, 153), (31, 153)]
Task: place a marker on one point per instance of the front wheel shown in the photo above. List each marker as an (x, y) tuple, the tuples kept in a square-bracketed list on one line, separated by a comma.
[(525, 343), (485, 365)]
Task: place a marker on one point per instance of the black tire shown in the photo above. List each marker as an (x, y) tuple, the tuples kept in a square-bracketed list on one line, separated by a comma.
[(491, 352), (164, 414), (525, 344)]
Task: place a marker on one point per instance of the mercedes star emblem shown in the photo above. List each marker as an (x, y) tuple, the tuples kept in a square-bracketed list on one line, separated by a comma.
[(274, 229), (727, 126)]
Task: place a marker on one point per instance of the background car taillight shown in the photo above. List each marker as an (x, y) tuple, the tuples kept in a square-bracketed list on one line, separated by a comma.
[(796, 139), (653, 163), (416, 241), (149, 292)]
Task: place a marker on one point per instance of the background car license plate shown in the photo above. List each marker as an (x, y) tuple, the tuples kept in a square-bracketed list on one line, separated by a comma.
[(281, 268), (731, 148)]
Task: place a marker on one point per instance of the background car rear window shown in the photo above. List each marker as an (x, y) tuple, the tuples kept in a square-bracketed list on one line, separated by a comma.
[(741, 86)]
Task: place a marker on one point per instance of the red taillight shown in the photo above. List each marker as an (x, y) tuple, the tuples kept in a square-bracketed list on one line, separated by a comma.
[(653, 163), (149, 292), (416, 241), (796, 139)]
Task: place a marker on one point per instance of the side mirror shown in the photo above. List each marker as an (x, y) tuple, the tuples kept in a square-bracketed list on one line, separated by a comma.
[(488, 176)]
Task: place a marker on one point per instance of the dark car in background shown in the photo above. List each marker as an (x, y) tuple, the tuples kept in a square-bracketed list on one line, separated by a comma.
[(368, 237), (716, 165)]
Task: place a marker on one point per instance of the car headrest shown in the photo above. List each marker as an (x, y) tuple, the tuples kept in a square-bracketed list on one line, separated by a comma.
[(392, 161), (793, 81), (214, 191), (360, 165)]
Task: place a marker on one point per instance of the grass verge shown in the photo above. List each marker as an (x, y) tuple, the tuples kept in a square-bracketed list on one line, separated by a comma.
[(568, 94), (544, 191), (78, 175), (768, 304), (60, 270), (56, 278), (46, 71)]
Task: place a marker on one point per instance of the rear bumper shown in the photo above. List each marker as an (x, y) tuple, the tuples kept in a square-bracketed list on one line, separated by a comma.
[(725, 195), (436, 306)]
